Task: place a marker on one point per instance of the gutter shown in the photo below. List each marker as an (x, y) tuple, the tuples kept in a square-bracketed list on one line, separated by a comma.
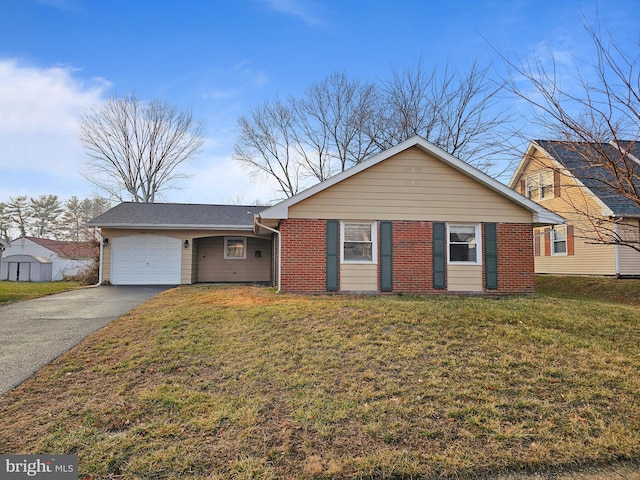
[(277, 232), (101, 254)]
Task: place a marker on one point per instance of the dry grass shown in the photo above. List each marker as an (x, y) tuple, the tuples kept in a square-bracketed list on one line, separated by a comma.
[(215, 382), (19, 291), (607, 289)]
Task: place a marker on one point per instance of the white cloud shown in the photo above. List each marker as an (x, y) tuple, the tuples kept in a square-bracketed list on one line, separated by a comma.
[(301, 9), (39, 150)]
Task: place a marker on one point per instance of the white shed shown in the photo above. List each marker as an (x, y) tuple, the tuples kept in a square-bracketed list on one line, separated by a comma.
[(26, 268)]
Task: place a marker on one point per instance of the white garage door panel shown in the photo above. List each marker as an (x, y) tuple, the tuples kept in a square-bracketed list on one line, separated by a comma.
[(146, 260)]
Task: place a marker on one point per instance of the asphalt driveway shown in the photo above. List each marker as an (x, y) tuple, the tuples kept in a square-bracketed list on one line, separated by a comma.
[(35, 332)]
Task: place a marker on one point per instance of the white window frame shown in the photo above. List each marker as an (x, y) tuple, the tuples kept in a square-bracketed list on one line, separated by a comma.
[(478, 235), (554, 241), (244, 248), (535, 183), (373, 241)]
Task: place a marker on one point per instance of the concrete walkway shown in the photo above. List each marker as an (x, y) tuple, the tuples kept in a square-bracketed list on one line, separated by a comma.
[(35, 332)]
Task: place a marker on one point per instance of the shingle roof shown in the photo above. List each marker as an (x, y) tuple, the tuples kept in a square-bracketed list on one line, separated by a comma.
[(574, 157), (177, 215), (71, 250)]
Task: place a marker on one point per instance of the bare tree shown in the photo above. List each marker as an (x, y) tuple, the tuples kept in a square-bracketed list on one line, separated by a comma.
[(457, 111), (595, 116), (268, 145), (339, 122), (137, 148), (333, 117)]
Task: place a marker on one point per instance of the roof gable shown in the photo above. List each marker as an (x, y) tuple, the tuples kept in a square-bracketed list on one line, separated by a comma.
[(539, 213), (177, 215), (573, 158)]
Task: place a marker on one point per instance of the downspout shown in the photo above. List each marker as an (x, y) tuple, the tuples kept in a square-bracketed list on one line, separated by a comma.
[(277, 232), (101, 253), (616, 249)]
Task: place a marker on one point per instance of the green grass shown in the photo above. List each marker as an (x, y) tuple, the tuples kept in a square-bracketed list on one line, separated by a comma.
[(18, 291), (605, 289), (219, 382)]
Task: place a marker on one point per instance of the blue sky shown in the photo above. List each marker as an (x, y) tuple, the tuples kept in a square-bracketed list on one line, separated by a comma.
[(218, 58)]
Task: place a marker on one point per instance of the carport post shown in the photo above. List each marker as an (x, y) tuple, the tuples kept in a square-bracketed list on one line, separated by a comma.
[(277, 232)]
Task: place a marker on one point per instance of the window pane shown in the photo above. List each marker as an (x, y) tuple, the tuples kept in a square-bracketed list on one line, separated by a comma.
[(546, 183), (560, 247), (357, 232), (462, 233), (235, 248), (357, 251), (460, 252), (560, 234), (533, 191)]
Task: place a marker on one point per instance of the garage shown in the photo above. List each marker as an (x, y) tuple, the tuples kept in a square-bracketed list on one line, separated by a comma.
[(146, 260)]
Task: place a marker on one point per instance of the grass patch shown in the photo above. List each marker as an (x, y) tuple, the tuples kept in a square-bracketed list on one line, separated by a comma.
[(603, 289), (221, 382), (19, 291)]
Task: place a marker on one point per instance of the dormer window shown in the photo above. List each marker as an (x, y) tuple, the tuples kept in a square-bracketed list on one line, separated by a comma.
[(540, 186)]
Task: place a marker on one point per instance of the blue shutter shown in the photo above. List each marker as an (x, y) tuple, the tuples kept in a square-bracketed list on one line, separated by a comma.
[(439, 255), (491, 255), (333, 254), (386, 257)]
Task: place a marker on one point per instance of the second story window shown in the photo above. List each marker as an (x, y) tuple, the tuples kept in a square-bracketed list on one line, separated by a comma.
[(540, 186)]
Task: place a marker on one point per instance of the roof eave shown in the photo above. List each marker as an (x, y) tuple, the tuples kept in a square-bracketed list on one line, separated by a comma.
[(134, 226)]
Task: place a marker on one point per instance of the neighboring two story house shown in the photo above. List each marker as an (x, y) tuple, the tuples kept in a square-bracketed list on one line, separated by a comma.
[(603, 222)]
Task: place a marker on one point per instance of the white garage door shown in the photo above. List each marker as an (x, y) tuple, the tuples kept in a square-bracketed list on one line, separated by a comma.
[(146, 260)]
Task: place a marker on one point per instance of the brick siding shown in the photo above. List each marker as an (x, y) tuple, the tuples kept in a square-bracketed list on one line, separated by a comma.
[(304, 244), (304, 259), (515, 259)]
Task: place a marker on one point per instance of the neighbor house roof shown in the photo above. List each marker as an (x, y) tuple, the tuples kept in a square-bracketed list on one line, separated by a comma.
[(539, 214), (178, 215), (70, 250), (585, 161)]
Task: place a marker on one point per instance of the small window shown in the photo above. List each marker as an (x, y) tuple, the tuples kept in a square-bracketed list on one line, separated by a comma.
[(235, 248), (559, 240), (464, 244), (540, 186), (359, 242), (546, 185), (533, 188)]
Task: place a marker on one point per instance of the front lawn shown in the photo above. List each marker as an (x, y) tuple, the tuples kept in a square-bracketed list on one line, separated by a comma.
[(606, 289), (18, 291), (239, 382)]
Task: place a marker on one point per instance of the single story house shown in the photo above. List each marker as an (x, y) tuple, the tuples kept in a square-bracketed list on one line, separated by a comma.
[(412, 219), (67, 258), (171, 244), (576, 181)]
